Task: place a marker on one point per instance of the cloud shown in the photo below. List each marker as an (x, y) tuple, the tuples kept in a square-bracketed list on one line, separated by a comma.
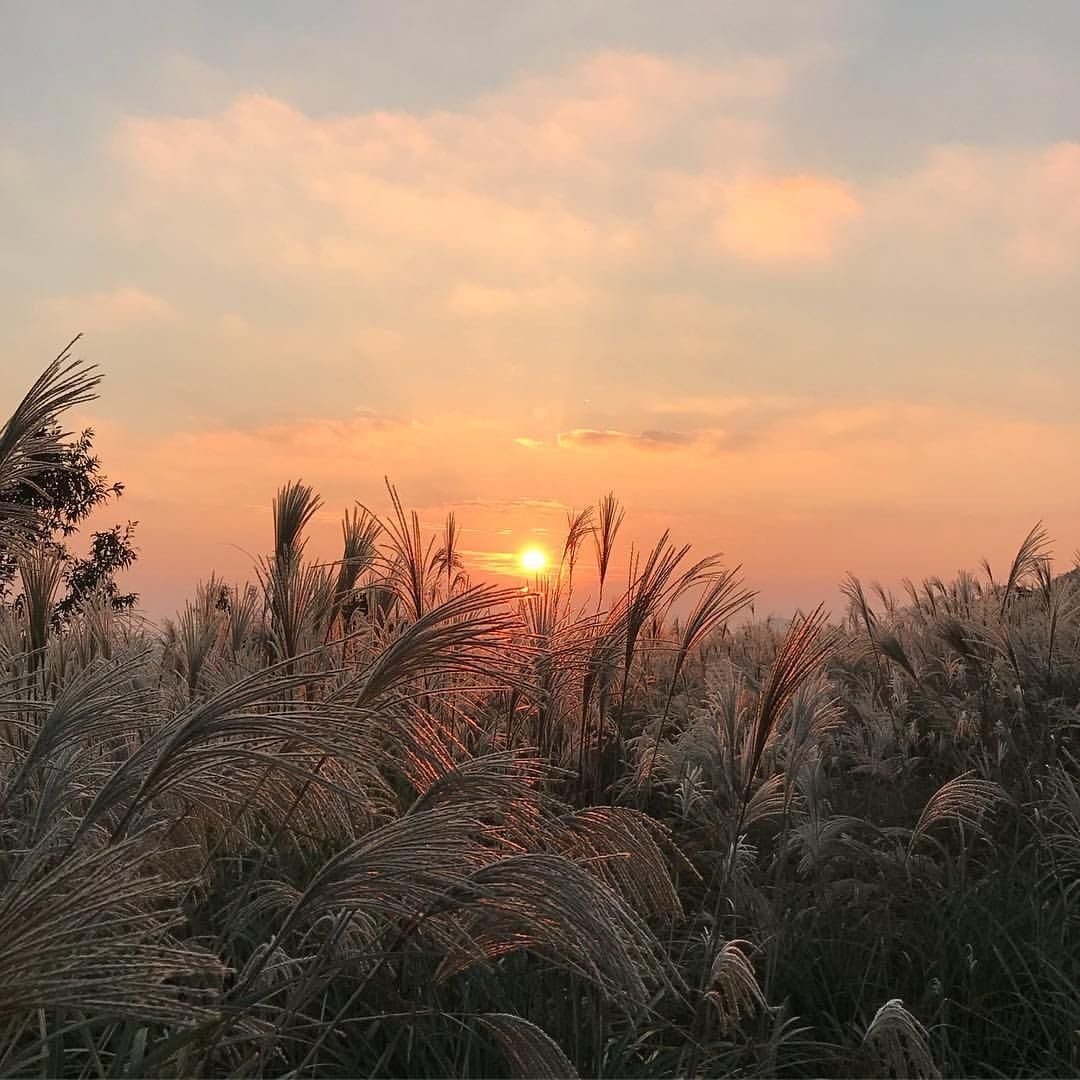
[(759, 216), (517, 201), (973, 211), (500, 563), (546, 506), (722, 405), (471, 299), (106, 311), (588, 438), (786, 219), (732, 422)]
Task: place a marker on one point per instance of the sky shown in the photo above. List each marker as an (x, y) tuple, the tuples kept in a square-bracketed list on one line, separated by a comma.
[(798, 282)]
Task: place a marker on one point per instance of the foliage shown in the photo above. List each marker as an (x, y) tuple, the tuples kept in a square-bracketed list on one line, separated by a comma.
[(49, 485)]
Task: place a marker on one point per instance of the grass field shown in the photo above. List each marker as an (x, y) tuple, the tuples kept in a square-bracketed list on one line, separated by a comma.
[(365, 818)]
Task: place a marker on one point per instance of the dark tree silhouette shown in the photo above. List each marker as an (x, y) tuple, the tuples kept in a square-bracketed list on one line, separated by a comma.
[(62, 498)]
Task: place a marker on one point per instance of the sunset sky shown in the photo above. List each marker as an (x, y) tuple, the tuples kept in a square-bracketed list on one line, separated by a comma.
[(798, 281)]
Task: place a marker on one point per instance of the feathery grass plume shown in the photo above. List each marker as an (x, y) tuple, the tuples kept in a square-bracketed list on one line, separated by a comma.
[(1060, 601), (553, 652), (93, 713), (92, 929), (541, 616), (295, 504), (1035, 548), (227, 742), (27, 448), (715, 745), (505, 789), (733, 986), (446, 561), (914, 598), (611, 515), (860, 609), (42, 570), (968, 640), (623, 848), (886, 596), (466, 633), (578, 526), (1062, 813), (401, 870), (195, 633), (968, 593), (598, 678), (821, 837), (298, 595), (550, 905), (360, 532), (962, 800), (648, 595), (804, 650), (529, 1050), (892, 648), (898, 1044), (241, 606), (815, 713), (421, 745), (722, 598), (103, 631), (691, 791), (929, 597), (410, 567), (767, 800)]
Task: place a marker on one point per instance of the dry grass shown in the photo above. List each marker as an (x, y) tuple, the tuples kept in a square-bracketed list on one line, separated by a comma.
[(365, 817)]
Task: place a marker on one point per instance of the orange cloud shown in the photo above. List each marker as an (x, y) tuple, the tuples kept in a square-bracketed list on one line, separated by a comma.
[(647, 440), (759, 216), (549, 182), (786, 219)]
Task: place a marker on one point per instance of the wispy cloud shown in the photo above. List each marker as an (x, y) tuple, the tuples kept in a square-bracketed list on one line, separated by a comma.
[(647, 440), (501, 563), (517, 504)]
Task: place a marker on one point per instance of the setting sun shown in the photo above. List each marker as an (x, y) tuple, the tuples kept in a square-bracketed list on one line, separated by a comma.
[(533, 560)]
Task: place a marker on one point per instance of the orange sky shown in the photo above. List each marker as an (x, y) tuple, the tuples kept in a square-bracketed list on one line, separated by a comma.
[(800, 289)]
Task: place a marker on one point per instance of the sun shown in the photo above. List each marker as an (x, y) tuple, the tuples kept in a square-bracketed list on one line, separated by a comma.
[(533, 559)]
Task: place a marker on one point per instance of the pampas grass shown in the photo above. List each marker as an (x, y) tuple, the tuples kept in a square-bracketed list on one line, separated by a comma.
[(366, 817), (899, 1043)]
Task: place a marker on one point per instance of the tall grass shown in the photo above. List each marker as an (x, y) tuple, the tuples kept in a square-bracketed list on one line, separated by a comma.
[(366, 817)]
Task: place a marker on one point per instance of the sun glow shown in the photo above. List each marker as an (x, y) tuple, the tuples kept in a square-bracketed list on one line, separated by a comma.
[(533, 560)]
